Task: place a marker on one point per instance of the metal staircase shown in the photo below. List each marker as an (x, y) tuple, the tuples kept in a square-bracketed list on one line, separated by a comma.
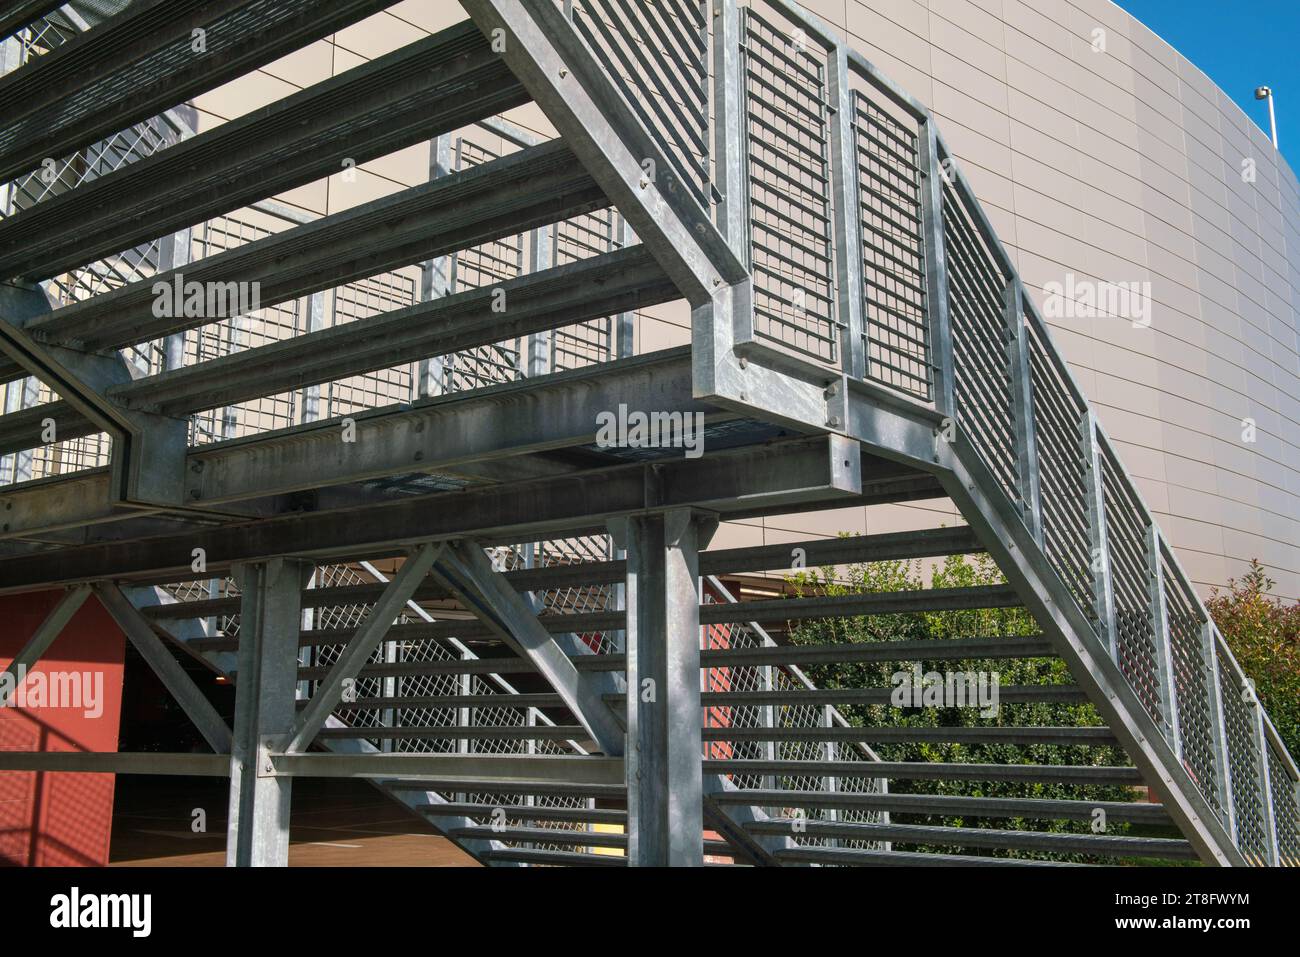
[(381, 503)]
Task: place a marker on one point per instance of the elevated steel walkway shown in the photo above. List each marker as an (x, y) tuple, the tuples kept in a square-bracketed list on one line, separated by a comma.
[(380, 497)]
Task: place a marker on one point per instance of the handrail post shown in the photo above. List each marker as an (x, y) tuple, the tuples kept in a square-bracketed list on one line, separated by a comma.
[(1022, 406), (847, 220), (936, 276), (1163, 641), (1103, 586), (1217, 727), (728, 131)]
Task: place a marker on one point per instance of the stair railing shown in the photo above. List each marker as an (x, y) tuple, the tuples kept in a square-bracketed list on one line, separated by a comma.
[(846, 168)]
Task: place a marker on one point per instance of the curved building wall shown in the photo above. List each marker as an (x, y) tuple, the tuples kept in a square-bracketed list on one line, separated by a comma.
[(1102, 155)]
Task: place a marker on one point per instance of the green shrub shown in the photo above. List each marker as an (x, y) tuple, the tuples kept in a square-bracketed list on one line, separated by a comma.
[(1264, 634)]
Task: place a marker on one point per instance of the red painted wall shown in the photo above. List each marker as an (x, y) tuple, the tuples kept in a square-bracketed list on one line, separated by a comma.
[(65, 819)]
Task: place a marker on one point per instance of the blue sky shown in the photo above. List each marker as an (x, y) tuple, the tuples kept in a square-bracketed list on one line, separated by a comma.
[(1240, 44)]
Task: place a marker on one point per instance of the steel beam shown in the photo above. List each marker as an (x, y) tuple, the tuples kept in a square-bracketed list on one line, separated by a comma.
[(160, 659), (437, 84), (495, 426), (575, 292), (40, 641), (665, 786), (555, 65), (148, 449), (778, 476), (140, 62), (265, 685), (466, 571)]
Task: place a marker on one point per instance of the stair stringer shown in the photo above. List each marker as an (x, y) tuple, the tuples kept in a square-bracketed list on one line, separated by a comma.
[(924, 438), (1021, 559)]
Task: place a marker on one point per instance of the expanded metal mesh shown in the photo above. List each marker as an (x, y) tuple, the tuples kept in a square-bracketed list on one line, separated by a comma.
[(776, 718), (578, 599), (895, 324), (657, 56), (1286, 810), (1193, 685), (1126, 536), (1244, 763), (791, 253)]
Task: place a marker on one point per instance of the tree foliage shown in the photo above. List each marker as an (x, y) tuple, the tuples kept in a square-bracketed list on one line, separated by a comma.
[(1264, 633)]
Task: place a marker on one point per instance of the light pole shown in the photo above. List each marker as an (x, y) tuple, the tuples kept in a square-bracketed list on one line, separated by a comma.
[(1266, 93)]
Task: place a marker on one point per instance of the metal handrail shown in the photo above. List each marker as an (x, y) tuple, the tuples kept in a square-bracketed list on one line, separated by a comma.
[(976, 262)]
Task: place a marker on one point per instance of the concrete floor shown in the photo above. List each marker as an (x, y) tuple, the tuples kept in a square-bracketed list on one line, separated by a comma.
[(335, 824)]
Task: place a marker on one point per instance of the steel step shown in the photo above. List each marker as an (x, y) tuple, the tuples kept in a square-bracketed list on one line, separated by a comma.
[(532, 188), (139, 63), (931, 804), (940, 649), (834, 855), (1099, 737), (517, 700), (609, 284), (541, 835), (609, 792), (1011, 694), (1083, 774), (524, 855), (516, 812), (504, 732), (975, 837), (434, 85)]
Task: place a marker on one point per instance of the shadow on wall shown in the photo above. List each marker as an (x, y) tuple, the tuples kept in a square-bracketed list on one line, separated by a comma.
[(62, 819)]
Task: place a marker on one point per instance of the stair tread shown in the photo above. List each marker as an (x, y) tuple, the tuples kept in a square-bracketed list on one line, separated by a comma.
[(1102, 844), (125, 69), (830, 855), (356, 115), (1043, 808)]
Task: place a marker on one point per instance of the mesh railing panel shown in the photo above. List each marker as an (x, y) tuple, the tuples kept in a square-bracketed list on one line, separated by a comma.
[(895, 329), (1286, 810), (1243, 763), (585, 343), (657, 56), (982, 373), (1193, 685), (791, 253), (1059, 415), (484, 265), (1126, 536)]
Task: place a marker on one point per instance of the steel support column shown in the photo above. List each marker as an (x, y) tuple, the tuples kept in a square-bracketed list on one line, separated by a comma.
[(270, 617), (665, 745)]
